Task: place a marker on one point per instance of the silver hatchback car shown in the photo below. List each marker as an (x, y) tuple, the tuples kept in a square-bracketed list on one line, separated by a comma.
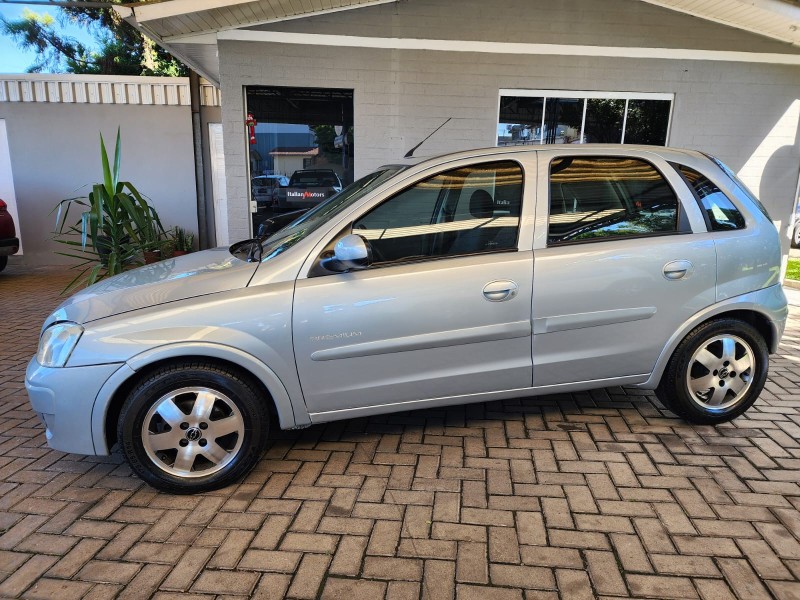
[(475, 276)]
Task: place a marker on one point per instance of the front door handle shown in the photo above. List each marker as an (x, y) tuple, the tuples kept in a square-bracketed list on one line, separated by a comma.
[(497, 291), (678, 269)]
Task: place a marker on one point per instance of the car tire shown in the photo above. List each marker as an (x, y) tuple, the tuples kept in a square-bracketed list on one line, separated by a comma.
[(3, 262), (699, 383), (796, 236), (187, 403)]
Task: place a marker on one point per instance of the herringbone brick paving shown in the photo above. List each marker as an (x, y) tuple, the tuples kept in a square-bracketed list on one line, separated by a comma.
[(601, 494)]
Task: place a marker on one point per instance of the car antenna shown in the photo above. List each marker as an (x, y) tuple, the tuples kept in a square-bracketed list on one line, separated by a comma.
[(410, 153)]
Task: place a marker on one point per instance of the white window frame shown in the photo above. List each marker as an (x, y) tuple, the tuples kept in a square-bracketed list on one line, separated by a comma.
[(586, 95)]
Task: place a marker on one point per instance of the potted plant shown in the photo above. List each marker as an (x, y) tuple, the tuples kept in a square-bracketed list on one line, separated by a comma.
[(183, 240), (109, 237)]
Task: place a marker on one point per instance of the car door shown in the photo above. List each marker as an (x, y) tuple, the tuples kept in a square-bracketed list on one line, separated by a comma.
[(444, 311), (622, 260)]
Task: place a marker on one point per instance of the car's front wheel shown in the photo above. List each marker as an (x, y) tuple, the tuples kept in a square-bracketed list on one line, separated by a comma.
[(716, 373), (3, 262), (193, 427), (796, 236)]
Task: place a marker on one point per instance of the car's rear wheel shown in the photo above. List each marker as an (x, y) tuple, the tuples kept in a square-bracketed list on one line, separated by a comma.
[(3, 262), (193, 427), (796, 236), (716, 373)]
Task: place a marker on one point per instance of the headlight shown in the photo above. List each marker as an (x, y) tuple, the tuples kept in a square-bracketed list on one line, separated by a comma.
[(57, 343)]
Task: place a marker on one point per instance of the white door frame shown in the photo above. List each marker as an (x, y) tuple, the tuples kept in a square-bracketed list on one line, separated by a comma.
[(219, 191)]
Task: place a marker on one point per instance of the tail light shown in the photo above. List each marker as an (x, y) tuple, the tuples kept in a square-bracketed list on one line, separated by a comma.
[(3, 207)]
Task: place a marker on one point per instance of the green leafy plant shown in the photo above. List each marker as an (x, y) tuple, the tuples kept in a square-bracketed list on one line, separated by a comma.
[(793, 270), (183, 240), (152, 236), (115, 226)]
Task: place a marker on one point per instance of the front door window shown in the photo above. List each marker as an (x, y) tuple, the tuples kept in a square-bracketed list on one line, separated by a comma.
[(469, 210)]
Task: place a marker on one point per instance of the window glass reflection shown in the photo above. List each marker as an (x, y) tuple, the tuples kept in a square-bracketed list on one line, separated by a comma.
[(604, 120), (520, 121), (647, 122), (463, 211), (528, 120), (593, 198), (563, 119)]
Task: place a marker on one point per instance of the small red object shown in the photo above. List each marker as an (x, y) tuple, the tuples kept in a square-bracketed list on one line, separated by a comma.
[(251, 123)]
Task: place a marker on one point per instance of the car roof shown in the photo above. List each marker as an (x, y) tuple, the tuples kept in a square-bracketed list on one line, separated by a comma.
[(665, 152)]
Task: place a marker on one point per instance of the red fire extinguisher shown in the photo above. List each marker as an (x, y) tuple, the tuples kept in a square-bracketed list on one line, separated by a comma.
[(251, 123)]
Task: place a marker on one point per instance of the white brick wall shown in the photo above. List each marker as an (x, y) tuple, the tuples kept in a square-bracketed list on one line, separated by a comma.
[(728, 109)]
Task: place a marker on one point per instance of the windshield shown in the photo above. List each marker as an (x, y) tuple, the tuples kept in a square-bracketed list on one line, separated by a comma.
[(320, 214)]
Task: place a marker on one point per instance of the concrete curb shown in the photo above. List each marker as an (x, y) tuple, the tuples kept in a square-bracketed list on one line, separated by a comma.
[(791, 283)]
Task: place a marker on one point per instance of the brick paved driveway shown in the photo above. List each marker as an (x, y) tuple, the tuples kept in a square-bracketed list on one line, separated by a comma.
[(599, 494)]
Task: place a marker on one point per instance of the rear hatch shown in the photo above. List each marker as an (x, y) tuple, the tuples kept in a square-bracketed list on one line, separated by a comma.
[(308, 188)]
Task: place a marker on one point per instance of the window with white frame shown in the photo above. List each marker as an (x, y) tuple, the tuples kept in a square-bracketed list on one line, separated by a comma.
[(570, 117)]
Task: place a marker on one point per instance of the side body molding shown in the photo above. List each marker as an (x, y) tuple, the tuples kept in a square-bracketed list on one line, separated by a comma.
[(591, 319)]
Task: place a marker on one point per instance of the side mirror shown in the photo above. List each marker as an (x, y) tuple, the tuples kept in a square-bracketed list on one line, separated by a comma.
[(350, 252)]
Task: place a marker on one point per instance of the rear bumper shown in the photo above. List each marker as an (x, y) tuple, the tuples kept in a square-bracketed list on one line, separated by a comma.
[(9, 246), (777, 310)]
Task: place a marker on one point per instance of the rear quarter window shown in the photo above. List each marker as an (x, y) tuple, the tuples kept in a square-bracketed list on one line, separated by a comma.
[(719, 211), (740, 184)]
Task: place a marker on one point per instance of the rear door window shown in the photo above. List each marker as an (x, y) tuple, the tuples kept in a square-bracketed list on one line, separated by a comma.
[(600, 198)]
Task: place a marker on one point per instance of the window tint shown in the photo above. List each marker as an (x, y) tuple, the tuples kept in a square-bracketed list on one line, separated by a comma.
[(594, 198), (721, 212), (463, 211)]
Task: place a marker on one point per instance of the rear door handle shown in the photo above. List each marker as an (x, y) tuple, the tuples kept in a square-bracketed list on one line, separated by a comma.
[(678, 269), (502, 289)]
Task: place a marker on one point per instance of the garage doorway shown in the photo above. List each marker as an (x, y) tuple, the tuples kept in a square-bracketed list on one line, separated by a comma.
[(302, 132)]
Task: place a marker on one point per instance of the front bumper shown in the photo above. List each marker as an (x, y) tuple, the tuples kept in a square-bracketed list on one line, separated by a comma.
[(64, 400), (9, 246)]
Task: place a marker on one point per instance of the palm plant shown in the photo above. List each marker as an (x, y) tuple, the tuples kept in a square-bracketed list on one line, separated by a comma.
[(115, 226)]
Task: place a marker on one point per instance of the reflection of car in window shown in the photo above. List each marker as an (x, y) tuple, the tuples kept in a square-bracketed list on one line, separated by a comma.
[(265, 188)]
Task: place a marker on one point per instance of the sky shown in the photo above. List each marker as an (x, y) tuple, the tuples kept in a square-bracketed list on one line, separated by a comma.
[(14, 60)]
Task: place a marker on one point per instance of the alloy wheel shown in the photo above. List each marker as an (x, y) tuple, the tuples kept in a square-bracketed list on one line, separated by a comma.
[(720, 372), (192, 432)]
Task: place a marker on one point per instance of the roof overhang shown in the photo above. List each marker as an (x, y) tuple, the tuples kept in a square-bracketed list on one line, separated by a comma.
[(190, 29), (776, 19)]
